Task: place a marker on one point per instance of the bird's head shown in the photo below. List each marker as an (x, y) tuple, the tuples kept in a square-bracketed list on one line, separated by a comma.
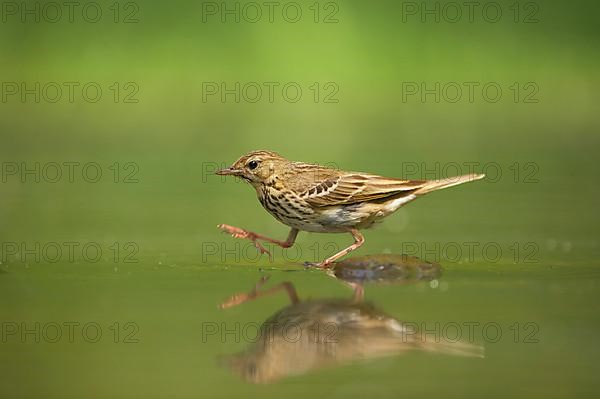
[(255, 167)]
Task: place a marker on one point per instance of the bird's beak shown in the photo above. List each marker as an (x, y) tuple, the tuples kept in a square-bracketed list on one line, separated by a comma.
[(228, 171)]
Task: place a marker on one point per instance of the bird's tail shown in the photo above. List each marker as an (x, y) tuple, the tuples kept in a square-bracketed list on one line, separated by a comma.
[(433, 185)]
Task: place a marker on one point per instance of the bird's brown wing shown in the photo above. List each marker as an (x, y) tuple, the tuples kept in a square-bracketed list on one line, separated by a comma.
[(352, 187)]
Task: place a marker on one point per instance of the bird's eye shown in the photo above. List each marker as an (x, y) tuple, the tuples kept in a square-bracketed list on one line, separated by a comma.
[(252, 164)]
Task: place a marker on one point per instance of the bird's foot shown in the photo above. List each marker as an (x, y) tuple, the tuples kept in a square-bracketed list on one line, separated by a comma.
[(318, 265), (237, 232)]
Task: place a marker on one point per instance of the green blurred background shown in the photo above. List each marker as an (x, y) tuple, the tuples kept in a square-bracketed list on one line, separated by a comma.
[(175, 135)]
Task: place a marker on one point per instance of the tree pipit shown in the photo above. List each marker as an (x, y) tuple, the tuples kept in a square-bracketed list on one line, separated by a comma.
[(319, 199)]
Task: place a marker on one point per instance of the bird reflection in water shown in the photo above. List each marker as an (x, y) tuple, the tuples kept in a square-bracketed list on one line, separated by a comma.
[(317, 333)]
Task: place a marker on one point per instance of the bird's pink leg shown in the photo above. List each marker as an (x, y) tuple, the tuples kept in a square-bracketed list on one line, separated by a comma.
[(255, 238), (358, 241), (238, 299)]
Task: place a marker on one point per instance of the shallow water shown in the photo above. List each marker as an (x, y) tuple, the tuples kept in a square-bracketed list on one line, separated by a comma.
[(536, 323)]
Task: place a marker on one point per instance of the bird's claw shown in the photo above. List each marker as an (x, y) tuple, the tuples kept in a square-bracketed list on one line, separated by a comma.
[(317, 265), (236, 232), (261, 249)]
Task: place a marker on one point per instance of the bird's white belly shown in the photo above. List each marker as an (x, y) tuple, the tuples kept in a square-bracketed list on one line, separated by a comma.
[(342, 218), (361, 215)]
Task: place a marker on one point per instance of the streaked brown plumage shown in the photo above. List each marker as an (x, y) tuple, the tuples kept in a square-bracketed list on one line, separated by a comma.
[(318, 199)]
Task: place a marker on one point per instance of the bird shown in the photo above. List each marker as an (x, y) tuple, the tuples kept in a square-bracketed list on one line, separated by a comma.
[(314, 198), (327, 332)]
